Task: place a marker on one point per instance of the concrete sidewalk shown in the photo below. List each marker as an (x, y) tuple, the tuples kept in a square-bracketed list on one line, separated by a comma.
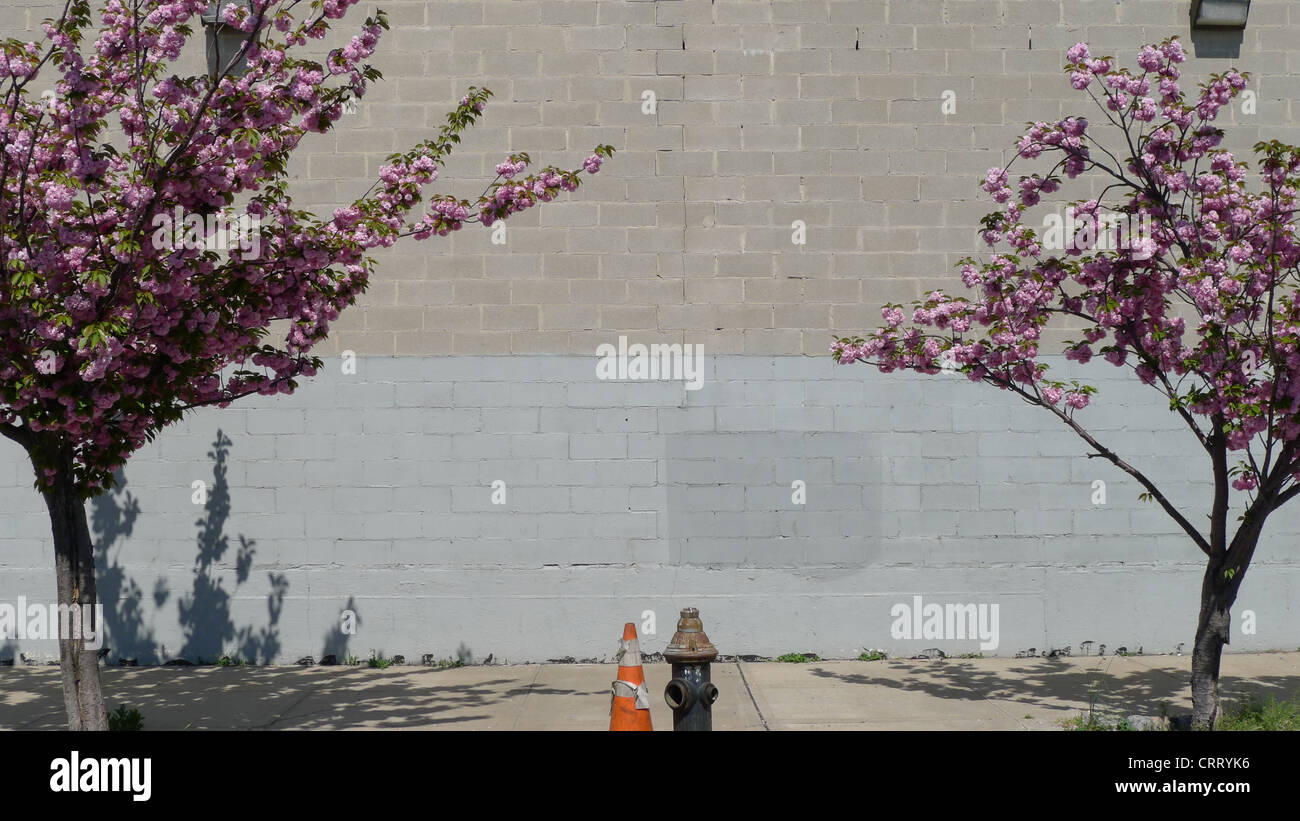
[(951, 694)]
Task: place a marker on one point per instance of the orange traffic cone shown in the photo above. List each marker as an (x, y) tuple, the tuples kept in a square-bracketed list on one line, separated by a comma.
[(629, 707)]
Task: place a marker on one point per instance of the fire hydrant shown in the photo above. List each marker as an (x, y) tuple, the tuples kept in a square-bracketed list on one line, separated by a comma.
[(691, 693)]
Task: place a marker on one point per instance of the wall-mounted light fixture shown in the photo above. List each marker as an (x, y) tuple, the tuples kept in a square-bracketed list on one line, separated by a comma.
[(224, 41), (1229, 14)]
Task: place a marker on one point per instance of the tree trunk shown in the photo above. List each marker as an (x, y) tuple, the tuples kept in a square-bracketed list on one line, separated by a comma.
[(1212, 632), (74, 565), (1224, 573)]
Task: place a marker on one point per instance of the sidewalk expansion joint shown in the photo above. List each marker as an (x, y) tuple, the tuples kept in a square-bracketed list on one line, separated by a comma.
[(752, 700)]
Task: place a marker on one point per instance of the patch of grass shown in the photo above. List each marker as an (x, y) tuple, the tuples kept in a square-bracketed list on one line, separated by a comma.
[(378, 661), (1095, 719), (232, 661), (798, 658), (1254, 713), (124, 720), (971, 656), (448, 663), (872, 655), (352, 661)]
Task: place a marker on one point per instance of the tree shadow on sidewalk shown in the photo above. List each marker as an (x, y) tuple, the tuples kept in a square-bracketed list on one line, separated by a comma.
[(317, 698), (1060, 685)]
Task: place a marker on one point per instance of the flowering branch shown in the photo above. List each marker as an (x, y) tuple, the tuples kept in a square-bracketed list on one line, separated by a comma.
[(118, 313), (1205, 245)]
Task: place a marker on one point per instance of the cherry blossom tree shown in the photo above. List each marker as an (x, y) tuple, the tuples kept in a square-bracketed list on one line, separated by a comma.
[(114, 320), (1199, 303)]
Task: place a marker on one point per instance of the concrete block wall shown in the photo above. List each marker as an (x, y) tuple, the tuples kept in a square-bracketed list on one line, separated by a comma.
[(372, 491), (517, 507), (825, 111)]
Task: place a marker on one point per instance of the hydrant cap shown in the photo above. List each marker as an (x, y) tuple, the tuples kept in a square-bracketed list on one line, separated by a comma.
[(689, 643)]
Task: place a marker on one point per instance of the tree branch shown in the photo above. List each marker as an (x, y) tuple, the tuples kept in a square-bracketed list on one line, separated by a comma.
[(18, 434), (1219, 509), (1114, 459)]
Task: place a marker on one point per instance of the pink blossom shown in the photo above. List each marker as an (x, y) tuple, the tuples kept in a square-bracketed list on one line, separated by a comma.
[(509, 168), (119, 331)]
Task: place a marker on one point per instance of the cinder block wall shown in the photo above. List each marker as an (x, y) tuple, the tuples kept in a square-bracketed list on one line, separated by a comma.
[(373, 491)]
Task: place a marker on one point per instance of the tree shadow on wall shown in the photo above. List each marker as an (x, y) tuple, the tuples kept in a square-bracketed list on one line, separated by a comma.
[(112, 518), (336, 640), (205, 612), (206, 617)]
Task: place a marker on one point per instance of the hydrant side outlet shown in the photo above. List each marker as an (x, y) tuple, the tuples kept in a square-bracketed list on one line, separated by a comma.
[(691, 693)]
